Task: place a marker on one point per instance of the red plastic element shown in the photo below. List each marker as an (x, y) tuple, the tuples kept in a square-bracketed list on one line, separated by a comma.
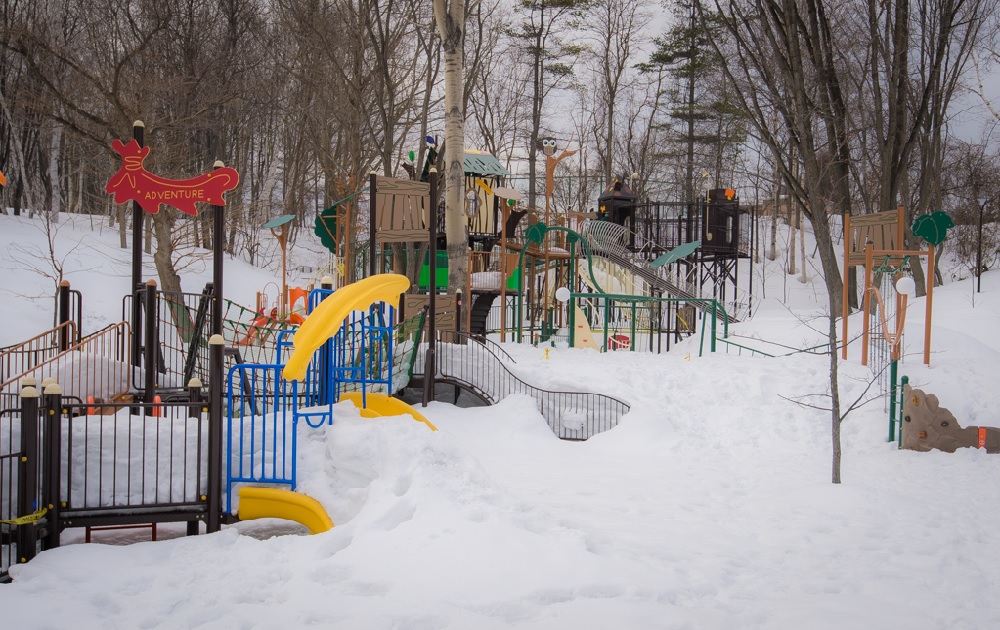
[(133, 182)]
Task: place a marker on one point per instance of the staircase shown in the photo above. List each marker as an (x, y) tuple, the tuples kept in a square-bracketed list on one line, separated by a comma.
[(481, 306)]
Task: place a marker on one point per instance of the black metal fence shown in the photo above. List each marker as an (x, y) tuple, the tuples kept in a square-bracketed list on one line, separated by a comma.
[(66, 463), (723, 228), (10, 457), (463, 360)]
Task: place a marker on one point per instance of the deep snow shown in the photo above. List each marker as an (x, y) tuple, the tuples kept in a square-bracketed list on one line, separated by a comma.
[(709, 506)]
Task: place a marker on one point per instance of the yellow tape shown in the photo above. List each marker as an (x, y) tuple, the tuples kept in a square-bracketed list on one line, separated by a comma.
[(27, 520)]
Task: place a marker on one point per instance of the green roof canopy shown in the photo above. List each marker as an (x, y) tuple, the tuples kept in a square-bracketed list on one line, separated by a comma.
[(484, 165), (278, 222)]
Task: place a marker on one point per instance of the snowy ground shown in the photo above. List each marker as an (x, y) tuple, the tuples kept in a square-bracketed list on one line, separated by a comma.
[(709, 506)]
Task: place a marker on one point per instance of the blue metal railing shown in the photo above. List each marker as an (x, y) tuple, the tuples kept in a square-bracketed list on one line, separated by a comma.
[(261, 437)]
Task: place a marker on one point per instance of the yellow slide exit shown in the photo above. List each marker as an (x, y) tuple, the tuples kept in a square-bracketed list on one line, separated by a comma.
[(381, 405), (257, 502)]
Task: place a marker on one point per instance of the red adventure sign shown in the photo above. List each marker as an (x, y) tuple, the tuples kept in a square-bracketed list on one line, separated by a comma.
[(133, 182)]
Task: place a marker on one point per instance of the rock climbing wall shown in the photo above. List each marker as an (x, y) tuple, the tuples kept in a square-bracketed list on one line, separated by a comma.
[(927, 425)]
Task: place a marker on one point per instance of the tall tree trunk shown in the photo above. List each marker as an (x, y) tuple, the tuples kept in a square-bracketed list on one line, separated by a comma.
[(791, 240), (835, 418), (536, 116), (802, 246), (451, 26), (163, 226), (55, 184)]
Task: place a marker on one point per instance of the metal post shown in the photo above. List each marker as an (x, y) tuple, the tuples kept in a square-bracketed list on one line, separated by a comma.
[(195, 409), (213, 498), (607, 323), (903, 382), (151, 343), (138, 215), (893, 366), (218, 257), (325, 354), (52, 480), (430, 369), (372, 243), (64, 315), (632, 328), (979, 250), (715, 319), (27, 473)]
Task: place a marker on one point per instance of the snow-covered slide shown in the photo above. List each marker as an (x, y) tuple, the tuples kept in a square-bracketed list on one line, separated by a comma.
[(607, 240)]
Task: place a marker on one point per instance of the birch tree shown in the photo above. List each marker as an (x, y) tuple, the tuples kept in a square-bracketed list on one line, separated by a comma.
[(450, 18)]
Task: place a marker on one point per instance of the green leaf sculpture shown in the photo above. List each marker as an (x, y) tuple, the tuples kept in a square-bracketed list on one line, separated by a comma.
[(933, 228), (326, 228), (536, 233)]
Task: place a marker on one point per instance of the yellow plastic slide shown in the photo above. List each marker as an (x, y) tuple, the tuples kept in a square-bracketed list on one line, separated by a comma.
[(257, 502), (583, 337), (324, 322), (381, 405)]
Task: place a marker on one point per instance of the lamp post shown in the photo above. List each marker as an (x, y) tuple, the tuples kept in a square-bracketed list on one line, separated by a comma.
[(979, 249), (279, 229)]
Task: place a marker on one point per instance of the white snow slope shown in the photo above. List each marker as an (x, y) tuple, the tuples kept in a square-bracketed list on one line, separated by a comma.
[(709, 506)]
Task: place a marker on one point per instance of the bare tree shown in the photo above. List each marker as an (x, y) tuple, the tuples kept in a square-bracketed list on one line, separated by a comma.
[(615, 33), (549, 53), (784, 60)]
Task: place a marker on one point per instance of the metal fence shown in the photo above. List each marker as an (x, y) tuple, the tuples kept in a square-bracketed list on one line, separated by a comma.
[(260, 427), (175, 340), (463, 360), (18, 359), (66, 463), (95, 367), (10, 457)]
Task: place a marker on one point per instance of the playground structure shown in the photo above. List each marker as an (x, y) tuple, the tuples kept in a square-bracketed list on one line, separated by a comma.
[(875, 243), (130, 437), (74, 463), (687, 254), (144, 441), (159, 451), (633, 252)]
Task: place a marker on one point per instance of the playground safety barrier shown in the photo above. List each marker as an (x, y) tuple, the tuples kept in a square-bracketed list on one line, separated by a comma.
[(465, 362), (261, 437), (69, 463), (175, 339), (637, 323), (263, 409)]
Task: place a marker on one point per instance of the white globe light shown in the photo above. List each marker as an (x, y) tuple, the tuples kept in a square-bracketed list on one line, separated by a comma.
[(906, 286), (562, 294)]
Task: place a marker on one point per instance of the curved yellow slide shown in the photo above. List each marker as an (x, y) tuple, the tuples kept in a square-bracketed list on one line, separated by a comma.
[(257, 502), (324, 322), (381, 405)]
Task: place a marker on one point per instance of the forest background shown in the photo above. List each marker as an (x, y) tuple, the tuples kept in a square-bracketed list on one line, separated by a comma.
[(807, 108)]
